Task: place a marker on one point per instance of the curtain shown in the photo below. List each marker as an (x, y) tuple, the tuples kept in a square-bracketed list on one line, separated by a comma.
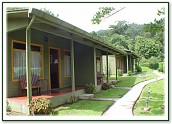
[(20, 63), (36, 67), (68, 65)]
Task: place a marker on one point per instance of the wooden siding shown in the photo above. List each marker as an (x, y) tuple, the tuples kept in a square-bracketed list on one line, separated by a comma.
[(16, 24)]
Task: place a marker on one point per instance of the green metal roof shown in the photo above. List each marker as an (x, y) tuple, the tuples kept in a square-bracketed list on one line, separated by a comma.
[(68, 27)]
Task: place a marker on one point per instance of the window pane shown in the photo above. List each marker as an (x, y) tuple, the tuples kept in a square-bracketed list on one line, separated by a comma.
[(36, 48), (67, 64), (19, 63), (36, 65), (19, 46)]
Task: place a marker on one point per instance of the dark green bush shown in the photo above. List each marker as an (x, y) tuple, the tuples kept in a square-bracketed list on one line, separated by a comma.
[(129, 73), (73, 99), (153, 65), (119, 72), (161, 67), (138, 68), (152, 62), (40, 106), (90, 88), (106, 86)]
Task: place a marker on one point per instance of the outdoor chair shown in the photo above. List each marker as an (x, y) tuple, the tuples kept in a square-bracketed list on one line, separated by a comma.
[(35, 81)]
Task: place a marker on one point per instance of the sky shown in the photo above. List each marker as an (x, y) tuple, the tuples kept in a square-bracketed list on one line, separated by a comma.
[(80, 14)]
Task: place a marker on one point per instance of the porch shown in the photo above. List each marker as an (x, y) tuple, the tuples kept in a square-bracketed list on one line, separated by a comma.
[(56, 96)]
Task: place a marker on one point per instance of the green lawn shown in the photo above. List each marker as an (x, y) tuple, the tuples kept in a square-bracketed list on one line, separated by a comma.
[(84, 108), (156, 103), (112, 93), (129, 81)]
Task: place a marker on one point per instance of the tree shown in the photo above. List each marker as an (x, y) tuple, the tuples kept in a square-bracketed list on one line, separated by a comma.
[(119, 41), (103, 13), (157, 25), (119, 28), (147, 47)]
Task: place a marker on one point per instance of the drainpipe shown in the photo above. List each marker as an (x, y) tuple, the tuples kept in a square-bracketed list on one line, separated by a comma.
[(28, 66)]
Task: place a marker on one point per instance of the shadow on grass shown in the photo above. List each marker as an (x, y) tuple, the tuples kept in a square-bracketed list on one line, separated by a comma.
[(126, 81), (84, 108)]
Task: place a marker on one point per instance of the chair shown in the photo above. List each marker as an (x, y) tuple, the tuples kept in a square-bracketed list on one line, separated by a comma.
[(35, 81)]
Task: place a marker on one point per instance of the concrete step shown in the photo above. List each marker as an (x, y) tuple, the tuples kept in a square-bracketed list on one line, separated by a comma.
[(86, 96)]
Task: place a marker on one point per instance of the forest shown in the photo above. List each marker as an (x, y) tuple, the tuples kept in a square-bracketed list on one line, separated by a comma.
[(147, 40)]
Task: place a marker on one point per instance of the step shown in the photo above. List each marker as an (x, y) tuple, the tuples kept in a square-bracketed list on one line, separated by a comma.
[(86, 96)]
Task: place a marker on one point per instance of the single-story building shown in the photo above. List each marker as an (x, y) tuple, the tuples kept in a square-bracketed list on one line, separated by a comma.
[(59, 52), (127, 63)]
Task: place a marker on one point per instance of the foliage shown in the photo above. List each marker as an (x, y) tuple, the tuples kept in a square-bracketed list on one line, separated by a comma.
[(106, 86), (161, 67), (156, 103), (129, 73), (103, 11), (157, 25), (119, 72), (152, 63), (147, 47), (73, 99), (40, 106), (84, 108), (90, 88), (48, 12), (138, 68), (112, 93), (146, 40), (8, 108)]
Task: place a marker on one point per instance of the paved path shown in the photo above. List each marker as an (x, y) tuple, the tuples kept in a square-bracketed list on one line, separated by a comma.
[(123, 107)]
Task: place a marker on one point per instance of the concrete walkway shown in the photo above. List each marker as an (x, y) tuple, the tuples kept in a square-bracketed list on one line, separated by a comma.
[(123, 106)]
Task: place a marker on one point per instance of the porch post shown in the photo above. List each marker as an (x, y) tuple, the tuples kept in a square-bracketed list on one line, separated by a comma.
[(133, 64), (28, 66), (127, 62), (95, 70), (116, 68), (107, 69), (72, 66), (130, 64)]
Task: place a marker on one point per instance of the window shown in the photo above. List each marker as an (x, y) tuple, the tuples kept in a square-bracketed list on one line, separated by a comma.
[(67, 62), (98, 64), (19, 60)]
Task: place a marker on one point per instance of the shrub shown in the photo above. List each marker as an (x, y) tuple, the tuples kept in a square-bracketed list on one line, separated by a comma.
[(161, 67), (138, 68), (90, 88), (106, 86), (40, 106), (119, 72), (153, 65), (129, 73), (73, 99), (8, 108), (152, 62)]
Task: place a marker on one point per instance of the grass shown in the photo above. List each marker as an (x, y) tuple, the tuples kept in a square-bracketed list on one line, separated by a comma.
[(112, 93), (84, 108), (156, 103), (129, 81)]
